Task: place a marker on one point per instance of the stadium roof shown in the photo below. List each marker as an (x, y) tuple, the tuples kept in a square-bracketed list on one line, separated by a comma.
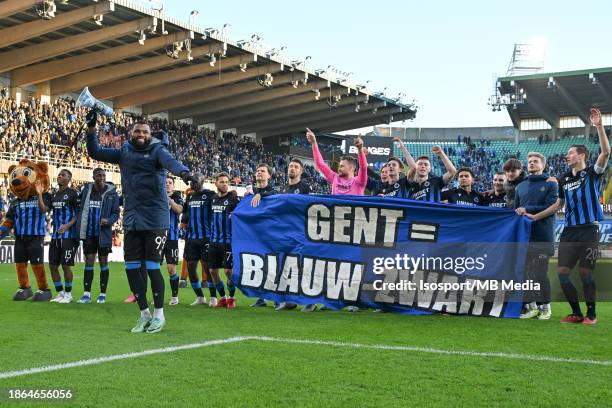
[(550, 96), (123, 52)]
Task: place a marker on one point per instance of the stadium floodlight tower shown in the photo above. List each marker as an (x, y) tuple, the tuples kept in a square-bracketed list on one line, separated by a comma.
[(527, 58)]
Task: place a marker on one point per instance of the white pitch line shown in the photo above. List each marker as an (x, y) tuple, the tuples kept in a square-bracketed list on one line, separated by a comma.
[(525, 357), (106, 359)]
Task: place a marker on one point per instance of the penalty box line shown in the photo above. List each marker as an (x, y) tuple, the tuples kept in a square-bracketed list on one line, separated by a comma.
[(388, 347)]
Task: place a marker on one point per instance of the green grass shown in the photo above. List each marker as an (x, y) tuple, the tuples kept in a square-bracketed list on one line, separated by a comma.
[(255, 373)]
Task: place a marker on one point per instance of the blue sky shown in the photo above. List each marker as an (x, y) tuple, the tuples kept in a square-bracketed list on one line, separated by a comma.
[(443, 54)]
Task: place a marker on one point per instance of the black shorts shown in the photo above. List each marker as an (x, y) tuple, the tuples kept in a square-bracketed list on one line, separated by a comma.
[(141, 246), (579, 245), (62, 251), (29, 249), (171, 252), (220, 256), (196, 250), (92, 246)]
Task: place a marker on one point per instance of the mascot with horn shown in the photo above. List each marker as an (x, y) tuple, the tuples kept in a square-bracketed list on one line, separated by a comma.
[(29, 183)]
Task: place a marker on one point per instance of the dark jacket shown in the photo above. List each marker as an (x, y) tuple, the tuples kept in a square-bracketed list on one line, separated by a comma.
[(510, 187), (143, 180), (535, 194), (109, 211)]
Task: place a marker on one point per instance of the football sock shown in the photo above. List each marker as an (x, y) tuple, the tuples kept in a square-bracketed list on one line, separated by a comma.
[(104, 274), (88, 278), (570, 292)]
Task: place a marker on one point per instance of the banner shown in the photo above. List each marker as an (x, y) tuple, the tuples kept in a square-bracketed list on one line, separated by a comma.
[(605, 232), (392, 254)]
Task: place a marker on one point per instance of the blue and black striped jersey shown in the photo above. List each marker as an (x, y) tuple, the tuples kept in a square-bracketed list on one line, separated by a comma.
[(93, 218), (65, 206), (581, 195), (27, 218), (196, 214), (221, 220), (400, 189), (173, 232), (430, 190)]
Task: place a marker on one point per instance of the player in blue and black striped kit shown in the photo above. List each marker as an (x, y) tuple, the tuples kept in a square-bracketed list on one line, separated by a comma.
[(196, 215), (220, 249), (63, 244), (579, 191), (171, 249)]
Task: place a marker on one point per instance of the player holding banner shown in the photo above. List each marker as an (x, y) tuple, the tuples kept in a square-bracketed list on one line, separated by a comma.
[(579, 192), (143, 161)]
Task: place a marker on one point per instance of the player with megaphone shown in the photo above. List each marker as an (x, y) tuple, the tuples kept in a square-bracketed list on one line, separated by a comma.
[(144, 162)]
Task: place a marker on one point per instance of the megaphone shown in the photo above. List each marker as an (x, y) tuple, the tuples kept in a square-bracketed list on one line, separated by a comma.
[(87, 100)]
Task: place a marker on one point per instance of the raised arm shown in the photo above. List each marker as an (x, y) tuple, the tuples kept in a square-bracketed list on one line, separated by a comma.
[(604, 143), (94, 149), (362, 174), (320, 164), (448, 164), (168, 162), (409, 160)]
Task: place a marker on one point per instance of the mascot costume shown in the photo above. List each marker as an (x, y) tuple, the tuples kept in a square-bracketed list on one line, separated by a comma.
[(29, 183)]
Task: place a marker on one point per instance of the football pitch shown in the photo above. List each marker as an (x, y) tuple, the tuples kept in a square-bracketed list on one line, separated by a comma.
[(261, 358)]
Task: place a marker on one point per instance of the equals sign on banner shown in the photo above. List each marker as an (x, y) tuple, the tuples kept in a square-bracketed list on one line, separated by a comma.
[(424, 232)]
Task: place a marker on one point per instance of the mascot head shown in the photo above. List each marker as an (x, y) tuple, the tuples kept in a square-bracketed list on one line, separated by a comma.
[(23, 177)]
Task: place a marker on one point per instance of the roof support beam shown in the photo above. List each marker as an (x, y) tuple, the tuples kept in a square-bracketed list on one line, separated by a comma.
[(162, 92), (219, 92), (49, 49), (310, 107), (265, 95), (203, 118), (47, 71), (354, 121), (25, 31), (377, 121), (604, 89), (10, 7), (573, 102), (545, 113), (339, 112), (137, 83), (514, 116)]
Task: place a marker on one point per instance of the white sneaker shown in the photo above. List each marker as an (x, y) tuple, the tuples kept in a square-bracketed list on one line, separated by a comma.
[(199, 301), (545, 314), (66, 298), (213, 302), (529, 314), (352, 309), (173, 301), (58, 297)]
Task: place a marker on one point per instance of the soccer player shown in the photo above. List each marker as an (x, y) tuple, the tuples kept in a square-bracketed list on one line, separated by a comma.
[(263, 188), (429, 187), (65, 203), (396, 185), (144, 161), (514, 176), (497, 197), (99, 210), (197, 217), (534, 195), (579, 191), (464, 194), (220, 249), (171, 249), (29, 224), (344, 181)]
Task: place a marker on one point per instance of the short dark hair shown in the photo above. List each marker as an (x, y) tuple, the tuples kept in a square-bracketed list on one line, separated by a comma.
[(500, 173), (169, 177), (581, 149), (398, 161), (465, 169), (423, 158), (67, 171), (221, 174), (513, 164), (141, 122), (268, 168), (98, 170), (349, 159), (298, 161)]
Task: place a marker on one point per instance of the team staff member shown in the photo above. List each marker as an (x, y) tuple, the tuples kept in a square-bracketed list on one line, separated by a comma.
[(532, 196), (220, 249), (579, 191), (63, 246), (144, 162), (464, 194), (99, 210)]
